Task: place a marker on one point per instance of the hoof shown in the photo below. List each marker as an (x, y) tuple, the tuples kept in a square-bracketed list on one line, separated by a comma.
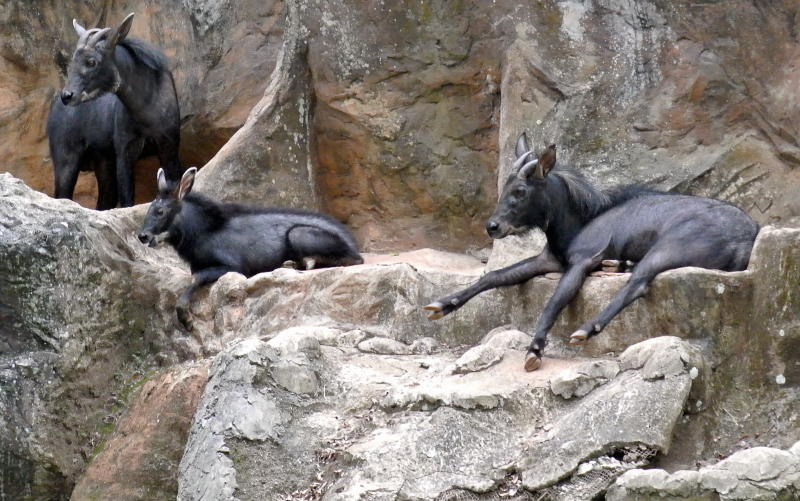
[(578, 337), (532, 362), (437, 308)]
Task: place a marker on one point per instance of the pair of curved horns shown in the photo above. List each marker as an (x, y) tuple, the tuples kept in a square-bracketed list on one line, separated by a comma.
[(539, 167), (90, 37)]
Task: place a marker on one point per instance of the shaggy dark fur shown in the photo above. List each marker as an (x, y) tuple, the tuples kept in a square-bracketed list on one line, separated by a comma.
[(585, 226), (215, 238)]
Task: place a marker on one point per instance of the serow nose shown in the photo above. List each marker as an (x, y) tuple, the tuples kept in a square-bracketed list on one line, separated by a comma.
[(492, 226), (66, 96), (143, 238)]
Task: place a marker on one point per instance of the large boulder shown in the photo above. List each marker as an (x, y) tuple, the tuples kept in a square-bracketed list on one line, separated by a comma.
[(140, 459), (388, 426), (84, 322), (757, 474)]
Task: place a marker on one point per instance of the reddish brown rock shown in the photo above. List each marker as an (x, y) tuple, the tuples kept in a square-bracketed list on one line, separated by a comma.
[(140, 459), (221, 59)]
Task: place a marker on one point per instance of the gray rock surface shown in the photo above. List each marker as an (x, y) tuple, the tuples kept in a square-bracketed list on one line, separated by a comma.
[(586, 432), (507, 337), (581, 379), (757, 474), (388, 426), (477, 358)]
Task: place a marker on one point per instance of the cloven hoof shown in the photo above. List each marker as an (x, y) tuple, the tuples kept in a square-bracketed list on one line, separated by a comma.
[(532, 362), (578, 337), (436, 307)]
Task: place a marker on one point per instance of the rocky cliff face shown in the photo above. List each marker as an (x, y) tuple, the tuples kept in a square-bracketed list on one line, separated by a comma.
[(399, 119), (399, 114)]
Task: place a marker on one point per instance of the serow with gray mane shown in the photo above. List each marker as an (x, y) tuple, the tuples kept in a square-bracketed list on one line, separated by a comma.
[(107, 61), (215, 238), (585, 226)]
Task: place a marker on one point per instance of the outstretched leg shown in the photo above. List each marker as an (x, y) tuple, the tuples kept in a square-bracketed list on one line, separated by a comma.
[(199, 279), (511, 275), (660, 258), (567, 289)]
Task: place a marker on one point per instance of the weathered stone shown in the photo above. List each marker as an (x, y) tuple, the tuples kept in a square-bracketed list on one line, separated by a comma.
[(424, 346), (557, 453), (507, 338), (299, 398), (86, 313), (140, 459), (352, 338), (384, 346), (269, 158), (393, 118), (662, 357), (579, 380), (479, 423), (757, 474), (297, 340), (477, 358)]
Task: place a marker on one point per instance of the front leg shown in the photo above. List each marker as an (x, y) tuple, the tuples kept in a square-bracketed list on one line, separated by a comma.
[(199, 279), (512, 275), (567, 289)]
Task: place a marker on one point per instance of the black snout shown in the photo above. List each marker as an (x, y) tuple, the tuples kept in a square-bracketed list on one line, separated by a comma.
[(66, 96), (492, 227), (144, 237)]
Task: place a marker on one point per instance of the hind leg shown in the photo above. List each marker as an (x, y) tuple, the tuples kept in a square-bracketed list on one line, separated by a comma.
[(106, 184), (126, 156), (318, 248), (661, 258)]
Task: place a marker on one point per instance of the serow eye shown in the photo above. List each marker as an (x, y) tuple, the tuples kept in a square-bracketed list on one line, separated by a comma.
[(91, 63), (159, 212)]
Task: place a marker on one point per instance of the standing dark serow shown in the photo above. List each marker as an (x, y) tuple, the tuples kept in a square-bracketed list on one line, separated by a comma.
[(585, 226), (106, 61), (99, 136), (216, 238)]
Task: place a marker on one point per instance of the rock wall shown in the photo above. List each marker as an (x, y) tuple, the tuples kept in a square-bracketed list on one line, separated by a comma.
[(398, 116), (399, 119), (205, 42)]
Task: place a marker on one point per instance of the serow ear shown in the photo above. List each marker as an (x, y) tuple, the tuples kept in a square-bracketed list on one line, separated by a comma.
[(119, 33), (547, 160), (522, 145), (187, 181), (80, 30), (161, 177)]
